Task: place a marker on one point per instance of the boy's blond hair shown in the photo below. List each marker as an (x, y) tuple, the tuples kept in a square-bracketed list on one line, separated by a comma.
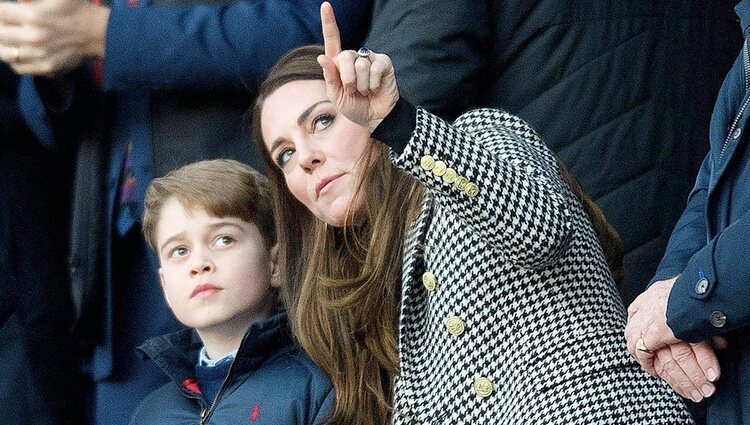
[(221, 187)]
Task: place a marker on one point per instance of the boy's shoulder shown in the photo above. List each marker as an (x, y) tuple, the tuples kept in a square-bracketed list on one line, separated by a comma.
[(295, 365), (288, 388), (272, 349)]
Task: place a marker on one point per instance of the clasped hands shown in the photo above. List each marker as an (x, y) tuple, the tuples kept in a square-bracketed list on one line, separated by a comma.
[(49, 37), (689, 368)]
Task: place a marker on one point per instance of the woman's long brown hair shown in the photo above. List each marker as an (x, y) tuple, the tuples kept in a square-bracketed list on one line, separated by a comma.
[(342, 285)]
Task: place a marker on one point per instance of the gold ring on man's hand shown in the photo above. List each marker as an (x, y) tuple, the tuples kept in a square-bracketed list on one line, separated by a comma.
[(16, 54), (641, 346)]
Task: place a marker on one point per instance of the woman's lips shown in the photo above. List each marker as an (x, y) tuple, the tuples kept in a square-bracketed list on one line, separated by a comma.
[(204, 290), (323, 184)]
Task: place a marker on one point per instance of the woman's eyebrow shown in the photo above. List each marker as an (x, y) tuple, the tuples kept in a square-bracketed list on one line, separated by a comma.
[(302, 118), (306, 113)]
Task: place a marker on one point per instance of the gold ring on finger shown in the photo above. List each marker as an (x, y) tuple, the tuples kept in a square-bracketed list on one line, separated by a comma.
[(16, 55), (641, 346)]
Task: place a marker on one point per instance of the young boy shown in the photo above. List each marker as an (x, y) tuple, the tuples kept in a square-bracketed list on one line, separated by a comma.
[(211, 226)]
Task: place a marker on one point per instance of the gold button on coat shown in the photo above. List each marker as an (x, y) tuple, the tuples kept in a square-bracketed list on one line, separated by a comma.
[(427, 162), (429, 281), (461, 183), (483, 387), (439, 169), (450, 176), (472, 190), (455, 325)]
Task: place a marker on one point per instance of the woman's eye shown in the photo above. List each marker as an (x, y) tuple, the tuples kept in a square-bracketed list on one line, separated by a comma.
[(283, 157), (322, 121), (224, 241), (178, 252)]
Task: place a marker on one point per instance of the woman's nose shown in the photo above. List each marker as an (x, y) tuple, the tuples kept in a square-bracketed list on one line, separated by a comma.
[(309, 156)]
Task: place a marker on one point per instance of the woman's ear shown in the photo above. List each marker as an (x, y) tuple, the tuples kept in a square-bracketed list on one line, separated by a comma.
[(273, 255)]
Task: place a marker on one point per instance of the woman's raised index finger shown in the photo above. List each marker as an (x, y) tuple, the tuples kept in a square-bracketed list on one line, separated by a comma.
[(331, 37)]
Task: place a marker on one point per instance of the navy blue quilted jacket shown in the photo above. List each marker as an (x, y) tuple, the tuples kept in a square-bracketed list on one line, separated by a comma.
[(271, 382)]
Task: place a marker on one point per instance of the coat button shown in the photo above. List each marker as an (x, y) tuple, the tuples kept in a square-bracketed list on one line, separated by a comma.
[(701, 286), (429, 281), (455, 325), (450, 176), (483, 387), (461, 183), (427, 162), (472, 190), (718, 319), (736, 133), (439, 169)]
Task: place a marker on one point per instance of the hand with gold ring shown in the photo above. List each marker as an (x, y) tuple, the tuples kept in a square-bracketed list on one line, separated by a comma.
[(51, 37), (641, 346), (689, 368), (647, 330)]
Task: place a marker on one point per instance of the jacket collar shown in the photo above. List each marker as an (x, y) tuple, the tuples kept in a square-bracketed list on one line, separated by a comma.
[(177, 353), (743, 11)]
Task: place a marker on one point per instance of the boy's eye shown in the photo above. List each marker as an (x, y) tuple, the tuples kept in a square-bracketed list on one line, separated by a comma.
[(224, 240), (322, 121), (178, 252), (283, 157)]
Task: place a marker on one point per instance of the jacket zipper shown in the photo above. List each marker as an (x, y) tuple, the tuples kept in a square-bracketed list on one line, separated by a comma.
[(746, 64), (734, 126), (746, 71), (206, 412), (199, 400)]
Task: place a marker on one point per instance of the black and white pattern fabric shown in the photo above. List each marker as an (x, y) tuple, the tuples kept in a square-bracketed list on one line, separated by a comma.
[(509, 314)]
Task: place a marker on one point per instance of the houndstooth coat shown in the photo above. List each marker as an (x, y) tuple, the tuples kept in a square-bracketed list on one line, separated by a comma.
[(509, 314)]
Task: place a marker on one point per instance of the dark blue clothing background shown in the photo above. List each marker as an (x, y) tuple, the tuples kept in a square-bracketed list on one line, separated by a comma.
[(712, 241), (36, 348), (178, 82)]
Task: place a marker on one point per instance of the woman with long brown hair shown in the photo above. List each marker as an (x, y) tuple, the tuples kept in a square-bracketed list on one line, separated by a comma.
[(439, 273)]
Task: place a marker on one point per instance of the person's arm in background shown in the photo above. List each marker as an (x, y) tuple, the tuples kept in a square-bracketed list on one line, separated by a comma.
[(689, 234), (174, 46), (233, 45), (438, 48), (156, 47), (711, 296), (689, 368)]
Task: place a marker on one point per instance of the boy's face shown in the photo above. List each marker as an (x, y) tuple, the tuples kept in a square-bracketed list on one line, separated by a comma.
[(215, 272)]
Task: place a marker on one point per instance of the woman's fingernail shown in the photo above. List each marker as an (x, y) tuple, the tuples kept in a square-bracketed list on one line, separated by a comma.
[(711, 374), (696, 396), (707, 390)]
